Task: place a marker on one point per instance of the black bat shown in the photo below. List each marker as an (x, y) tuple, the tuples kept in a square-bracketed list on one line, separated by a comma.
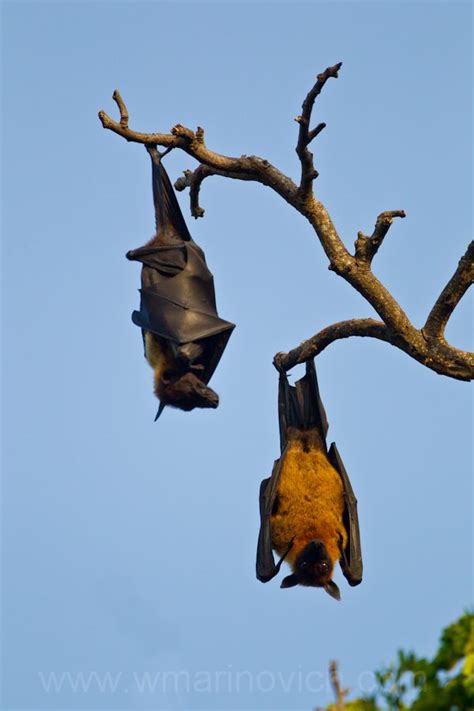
[(184, 338), (308, 510)]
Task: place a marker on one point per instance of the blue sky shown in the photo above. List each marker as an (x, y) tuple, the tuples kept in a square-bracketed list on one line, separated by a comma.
[(128, 546)]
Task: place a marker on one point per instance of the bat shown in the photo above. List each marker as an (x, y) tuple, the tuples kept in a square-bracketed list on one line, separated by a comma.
[(183, 336), (308, 511)]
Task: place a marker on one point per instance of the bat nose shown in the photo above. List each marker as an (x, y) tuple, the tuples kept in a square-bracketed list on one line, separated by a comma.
[(211, 398)]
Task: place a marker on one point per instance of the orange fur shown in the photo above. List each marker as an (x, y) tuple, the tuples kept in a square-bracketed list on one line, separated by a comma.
[(310, 498)]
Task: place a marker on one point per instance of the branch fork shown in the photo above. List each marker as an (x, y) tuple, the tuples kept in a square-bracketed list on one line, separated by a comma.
[(367, 247)]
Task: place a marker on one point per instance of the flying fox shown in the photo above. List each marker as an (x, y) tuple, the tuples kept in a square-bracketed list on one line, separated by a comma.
[(308, 509), (183, 336)]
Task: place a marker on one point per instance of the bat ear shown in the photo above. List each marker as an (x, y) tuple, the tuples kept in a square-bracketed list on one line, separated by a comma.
[(289, 582), (332, 590)]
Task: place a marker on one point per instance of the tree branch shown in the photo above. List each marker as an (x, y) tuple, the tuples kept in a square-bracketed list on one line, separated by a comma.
[(363, 327), (305, 135), (427, 345), (121, 107), (193, 179), (439, 357), (192, 143), (339, 693), (367, 247), (451, 295)]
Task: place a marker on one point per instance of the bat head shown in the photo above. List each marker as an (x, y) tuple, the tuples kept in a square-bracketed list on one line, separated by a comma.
[(185, 392), (313, 568)]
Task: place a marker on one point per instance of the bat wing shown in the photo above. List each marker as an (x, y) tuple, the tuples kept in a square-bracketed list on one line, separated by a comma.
[(178, 300), (300, 405), (167, 261), (266, 567), (170, 223), (351, 555)]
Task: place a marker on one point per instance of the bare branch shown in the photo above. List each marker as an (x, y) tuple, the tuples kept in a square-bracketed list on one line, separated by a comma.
[(367, 247), (193, 179), (122, 108), (363, 327), (451, 295), (243, 168), (439, 357), (305, 135), (339, 693), (315, 131)]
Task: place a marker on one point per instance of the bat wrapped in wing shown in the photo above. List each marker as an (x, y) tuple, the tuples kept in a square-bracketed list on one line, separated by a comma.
[(308, 509), (183, 335)]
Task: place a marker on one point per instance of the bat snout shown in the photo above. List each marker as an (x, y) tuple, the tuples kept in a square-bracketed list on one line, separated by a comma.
[(313, 566), (206, 397), (214, 400), (186, 392)]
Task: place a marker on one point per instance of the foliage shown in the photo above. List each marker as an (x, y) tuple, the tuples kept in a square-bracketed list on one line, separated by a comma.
[(444, 683)]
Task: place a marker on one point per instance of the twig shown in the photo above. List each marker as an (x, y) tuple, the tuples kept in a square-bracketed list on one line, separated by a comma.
[(367, 247), (339, 693), (121, 107), (193, 179), (306, 135)]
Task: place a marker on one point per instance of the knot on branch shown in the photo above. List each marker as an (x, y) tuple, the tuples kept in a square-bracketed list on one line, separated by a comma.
[(190, 138), (366, 247), (181, 131), (200, 135), (184, 182), (341, 266)]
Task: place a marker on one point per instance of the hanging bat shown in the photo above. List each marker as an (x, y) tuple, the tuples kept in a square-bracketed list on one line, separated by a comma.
[(308, 509), (183, 336)]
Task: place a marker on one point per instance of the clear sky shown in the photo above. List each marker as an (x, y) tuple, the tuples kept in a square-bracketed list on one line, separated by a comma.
[(129, 546)]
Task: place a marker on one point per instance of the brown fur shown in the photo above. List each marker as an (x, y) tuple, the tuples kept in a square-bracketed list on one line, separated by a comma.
[(174, 385)]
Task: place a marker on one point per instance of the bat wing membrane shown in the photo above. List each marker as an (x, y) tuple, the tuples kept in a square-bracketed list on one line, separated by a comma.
[(266, 567), (351, 558)]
